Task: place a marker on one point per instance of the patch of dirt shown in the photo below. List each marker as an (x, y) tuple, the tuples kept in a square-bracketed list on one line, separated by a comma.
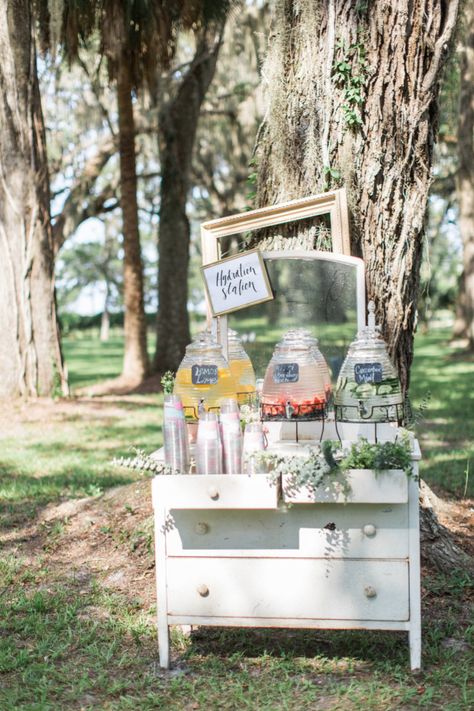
[(108, 539)]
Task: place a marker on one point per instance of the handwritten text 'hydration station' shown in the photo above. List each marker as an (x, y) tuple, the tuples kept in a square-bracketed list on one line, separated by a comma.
[(236, 281)]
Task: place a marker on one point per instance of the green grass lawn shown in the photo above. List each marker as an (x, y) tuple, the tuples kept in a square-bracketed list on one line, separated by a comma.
[(442, 387), (65, 644)]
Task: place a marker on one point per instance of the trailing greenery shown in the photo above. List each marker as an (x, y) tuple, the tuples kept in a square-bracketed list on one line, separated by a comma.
[(350, 74), (308, 471), (332, 458), (144, 463)]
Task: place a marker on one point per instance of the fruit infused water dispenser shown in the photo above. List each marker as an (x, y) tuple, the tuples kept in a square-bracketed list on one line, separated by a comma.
[(314, 347), (293, 388), (203, 378), (241, 368), (368, 388)]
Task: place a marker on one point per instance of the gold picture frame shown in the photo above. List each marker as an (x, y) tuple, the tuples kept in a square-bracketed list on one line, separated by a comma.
[(333, 203)]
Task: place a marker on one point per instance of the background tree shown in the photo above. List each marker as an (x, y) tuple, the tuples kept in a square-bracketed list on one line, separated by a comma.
[(211, 106), (177, 126), (92, 265), (134, 37), (464, 325), (352, 99), (30, 353)]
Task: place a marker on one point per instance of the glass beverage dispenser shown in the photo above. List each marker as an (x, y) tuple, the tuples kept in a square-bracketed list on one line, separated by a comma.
[(203, 378), (368, 388), (241, 368), (314, 347), (293, 387)]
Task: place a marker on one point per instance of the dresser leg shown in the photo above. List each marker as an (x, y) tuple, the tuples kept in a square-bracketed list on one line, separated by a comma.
[(164, 645), (415, 648)]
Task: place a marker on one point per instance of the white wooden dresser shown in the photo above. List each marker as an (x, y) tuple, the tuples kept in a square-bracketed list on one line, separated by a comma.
[(231, 551)]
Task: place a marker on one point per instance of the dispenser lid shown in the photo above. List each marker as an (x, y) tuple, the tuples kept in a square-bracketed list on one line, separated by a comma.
[(203, 343), (369, 336)]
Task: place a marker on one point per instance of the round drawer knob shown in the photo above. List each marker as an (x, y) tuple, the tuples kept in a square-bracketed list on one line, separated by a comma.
[(370, 591), (213, 493), (369, 530), (203, 590), (201, 528)]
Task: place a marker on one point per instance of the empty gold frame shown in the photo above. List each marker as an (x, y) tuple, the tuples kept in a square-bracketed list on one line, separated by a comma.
[(333, 204)]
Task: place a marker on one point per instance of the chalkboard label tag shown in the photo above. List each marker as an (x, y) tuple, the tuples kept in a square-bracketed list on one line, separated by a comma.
[(368, 373), (286, 373), (204, 374)]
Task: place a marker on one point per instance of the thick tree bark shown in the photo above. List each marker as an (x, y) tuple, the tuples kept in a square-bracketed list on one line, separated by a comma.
[(352, 91), (30, 354), (135, 363), (464, 325), (437, 545), (177, 131)]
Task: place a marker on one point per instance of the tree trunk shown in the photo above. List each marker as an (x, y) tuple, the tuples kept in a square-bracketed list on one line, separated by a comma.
[(30, 354), (352, 91), (135, 362), (105, 319), (177, 131), (437, 545), (464, 325)]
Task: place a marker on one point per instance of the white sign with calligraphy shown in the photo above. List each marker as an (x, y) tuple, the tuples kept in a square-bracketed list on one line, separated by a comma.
[(236, 282)]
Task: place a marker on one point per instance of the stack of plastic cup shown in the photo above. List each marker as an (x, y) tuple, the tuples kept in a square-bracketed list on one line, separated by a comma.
[(231, 436), (254, 441), (175, 434), (209, 447)]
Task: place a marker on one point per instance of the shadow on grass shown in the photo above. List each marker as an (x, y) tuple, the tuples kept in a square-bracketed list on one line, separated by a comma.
[(371, 646), (27, 495)]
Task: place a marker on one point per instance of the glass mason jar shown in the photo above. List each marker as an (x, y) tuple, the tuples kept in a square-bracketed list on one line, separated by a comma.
[(241, 368), (368, 388), (203, 377), (293, 387)]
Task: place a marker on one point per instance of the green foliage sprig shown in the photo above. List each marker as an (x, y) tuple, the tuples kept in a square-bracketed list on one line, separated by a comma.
[(167, 382), (308, 471), (144, 463), (379, 455), (350, 74), (414, 418)]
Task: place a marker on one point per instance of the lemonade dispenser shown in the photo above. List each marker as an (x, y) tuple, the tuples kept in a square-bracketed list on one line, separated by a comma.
[(241, 368), (203, 378)]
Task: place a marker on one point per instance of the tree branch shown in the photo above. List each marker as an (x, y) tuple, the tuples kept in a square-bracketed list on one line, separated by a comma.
[(70, 216)]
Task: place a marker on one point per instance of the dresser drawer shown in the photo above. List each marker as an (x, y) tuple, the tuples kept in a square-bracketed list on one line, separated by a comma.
[(318, 531), (214, 492), (356, 486), (293, 589)]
